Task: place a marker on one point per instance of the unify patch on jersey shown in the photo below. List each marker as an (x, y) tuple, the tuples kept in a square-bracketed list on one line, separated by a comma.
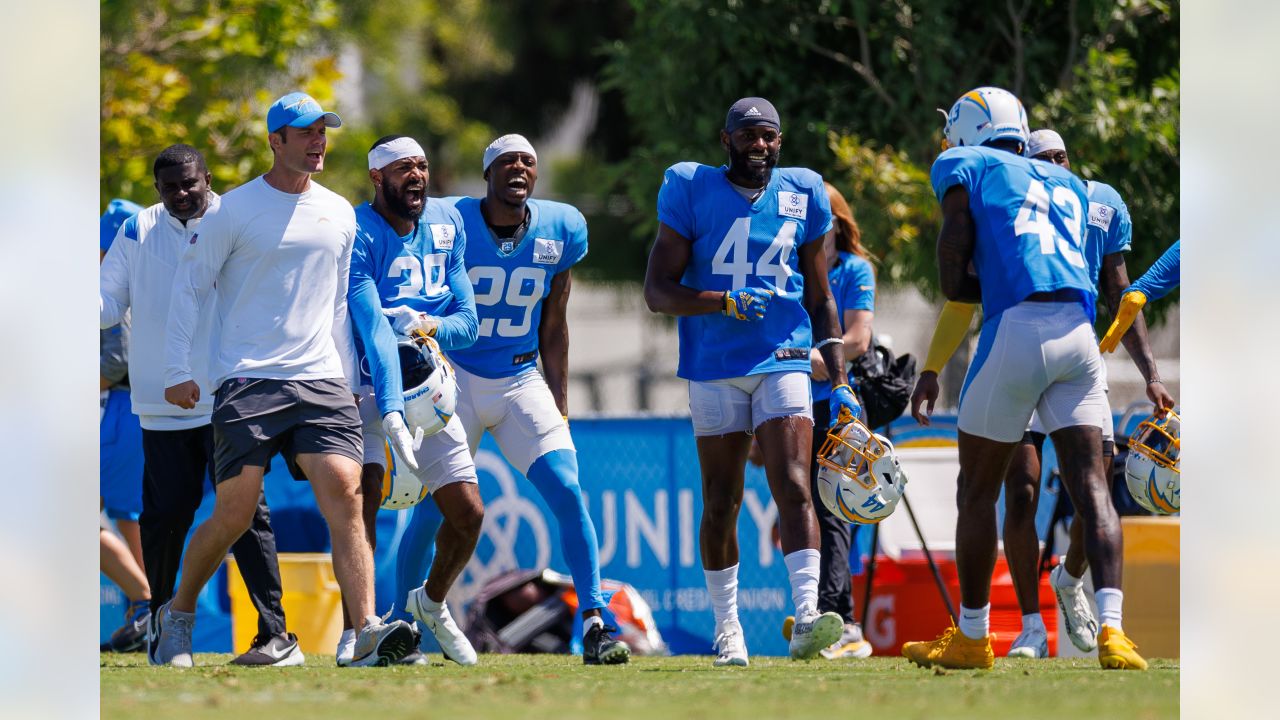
[(1100, 216), (792, 205), (547, 252), (443, 235)]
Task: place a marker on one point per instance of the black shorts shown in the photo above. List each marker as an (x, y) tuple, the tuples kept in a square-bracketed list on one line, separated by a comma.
[(254, 418)]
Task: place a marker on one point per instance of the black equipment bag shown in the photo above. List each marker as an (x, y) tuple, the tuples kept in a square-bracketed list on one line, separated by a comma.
[(884, 383)]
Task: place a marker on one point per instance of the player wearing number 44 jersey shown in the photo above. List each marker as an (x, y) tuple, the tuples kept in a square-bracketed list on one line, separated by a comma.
[(520, 255), (740, 260), (1020, 223)]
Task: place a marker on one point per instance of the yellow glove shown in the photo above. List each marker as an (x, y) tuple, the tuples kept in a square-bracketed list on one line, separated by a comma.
[(1130, 304)]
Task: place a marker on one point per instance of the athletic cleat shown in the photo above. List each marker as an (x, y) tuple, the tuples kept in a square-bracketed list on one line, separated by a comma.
[(172, 645), (382, 643), (952, 649), (275, 651), (1117, 652), (600, 648), (813, 632), (850, 646), (346, 647), (153, 635), (414, 658), (453, 643), (132, 636), (1082, 626), (1033, 644), (788, 624), (730, 646)]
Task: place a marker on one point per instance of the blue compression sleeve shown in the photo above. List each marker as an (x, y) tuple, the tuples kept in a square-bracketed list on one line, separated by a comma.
[(459, 329), (555, 475), (1162, 277), (378, 339)]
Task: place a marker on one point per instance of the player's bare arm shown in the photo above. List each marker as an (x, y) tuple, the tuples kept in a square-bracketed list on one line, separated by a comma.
[(663, 291), (955, 248), (822, 309), (553, 339), (1114, 280)]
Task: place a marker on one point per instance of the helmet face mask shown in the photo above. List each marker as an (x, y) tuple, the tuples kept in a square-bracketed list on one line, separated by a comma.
[(983, 115), (859, 477), (1153, 469)]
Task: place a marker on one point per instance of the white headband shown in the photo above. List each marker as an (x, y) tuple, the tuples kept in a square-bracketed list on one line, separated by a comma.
[(1044, 140), (506, 144), (392, 150)]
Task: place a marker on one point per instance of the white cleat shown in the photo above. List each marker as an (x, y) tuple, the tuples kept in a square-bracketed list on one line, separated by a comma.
[(346, 647), (731, 646), (813, 632), (851, 645), (453, 643), (1082, 626), (1033, 644)]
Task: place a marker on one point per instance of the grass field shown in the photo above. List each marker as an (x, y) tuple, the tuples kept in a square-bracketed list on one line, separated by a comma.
[(560, 687)]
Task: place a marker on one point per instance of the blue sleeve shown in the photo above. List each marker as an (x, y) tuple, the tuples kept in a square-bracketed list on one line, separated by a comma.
[(1118, 236), (957, 166), (820, 220), (858, 290), (373, 329), (576, 240), (458, 330), (1163, 276), (673, 202), (1121, 237)]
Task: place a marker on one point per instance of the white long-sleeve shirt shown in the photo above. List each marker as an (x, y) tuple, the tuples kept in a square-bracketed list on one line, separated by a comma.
[(137, 273), (278, 265)]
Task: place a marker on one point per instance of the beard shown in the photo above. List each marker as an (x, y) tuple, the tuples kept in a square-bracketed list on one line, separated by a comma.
[(397, 204), (738, 166)]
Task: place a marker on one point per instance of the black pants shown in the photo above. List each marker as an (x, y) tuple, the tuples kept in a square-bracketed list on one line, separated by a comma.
[(176, 465), (835, 586)]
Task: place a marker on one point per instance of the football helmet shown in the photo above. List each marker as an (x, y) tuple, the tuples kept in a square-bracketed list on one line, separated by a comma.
[(1152, 469), (859, 477), (401, 489), (430, 386), (985, 114)]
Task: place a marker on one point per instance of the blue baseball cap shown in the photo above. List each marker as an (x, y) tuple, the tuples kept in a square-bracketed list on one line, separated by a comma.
[(117, 212), (298, 110), (751, 111)]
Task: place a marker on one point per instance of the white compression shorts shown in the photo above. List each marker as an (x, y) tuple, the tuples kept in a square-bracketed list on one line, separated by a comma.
[(1039, 357), (1108, 431), (518, 410), (742, 404), (442, 458)]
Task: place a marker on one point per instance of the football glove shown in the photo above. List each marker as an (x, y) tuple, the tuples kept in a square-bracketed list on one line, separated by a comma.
[(844, 406), (1130, 304), (747, 304), (404, 444), (409, 322)]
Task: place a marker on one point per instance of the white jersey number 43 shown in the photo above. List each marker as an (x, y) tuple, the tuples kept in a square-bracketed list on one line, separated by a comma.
[(1033, 219), (731, 257)]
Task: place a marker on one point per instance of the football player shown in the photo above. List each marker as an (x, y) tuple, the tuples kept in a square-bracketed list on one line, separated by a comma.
[(407, 262), (520, 258), (1159, 280), (1020, 224), (1108, 235), (739, 259)]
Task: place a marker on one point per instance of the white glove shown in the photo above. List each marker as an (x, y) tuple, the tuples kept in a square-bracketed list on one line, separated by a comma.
[(404, 444), (405, 320)]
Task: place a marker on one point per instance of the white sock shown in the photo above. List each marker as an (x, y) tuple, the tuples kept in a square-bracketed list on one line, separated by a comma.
[(587, 623), (802, 568), (1067, 581), (722, 586), (430, 605), (1110, 603), (1033, 622), (975, 623)]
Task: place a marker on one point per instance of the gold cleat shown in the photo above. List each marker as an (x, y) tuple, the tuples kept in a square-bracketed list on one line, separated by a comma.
[(1117, 652), (788, 623), (952, 649)]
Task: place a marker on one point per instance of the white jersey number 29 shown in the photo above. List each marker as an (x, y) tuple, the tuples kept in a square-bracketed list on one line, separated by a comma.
[(1033, 219), (731, 257), (490, 283)]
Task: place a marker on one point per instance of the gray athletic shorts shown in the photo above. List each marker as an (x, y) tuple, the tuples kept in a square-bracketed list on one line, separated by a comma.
[(254, 418)]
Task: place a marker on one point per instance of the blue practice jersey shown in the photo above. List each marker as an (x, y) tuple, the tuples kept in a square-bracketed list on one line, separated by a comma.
[(1029, 221), (735, 244), (853, 285), (1108, 229), (511, 279), (424, 271), (1162, 277)]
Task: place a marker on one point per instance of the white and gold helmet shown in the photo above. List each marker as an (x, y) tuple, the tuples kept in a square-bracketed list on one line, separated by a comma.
[(430, 386), (1152, 469), (859, 477)]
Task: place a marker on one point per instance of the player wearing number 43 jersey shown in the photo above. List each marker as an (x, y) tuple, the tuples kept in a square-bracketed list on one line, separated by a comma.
[(520, 255), (740, 260)]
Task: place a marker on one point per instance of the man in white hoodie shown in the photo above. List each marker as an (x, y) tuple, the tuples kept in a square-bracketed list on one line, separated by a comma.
[(137, 273)]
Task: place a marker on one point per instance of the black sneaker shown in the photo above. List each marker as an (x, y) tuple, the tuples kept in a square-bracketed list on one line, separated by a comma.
[(130, 637), (598, 648), (276, 651)]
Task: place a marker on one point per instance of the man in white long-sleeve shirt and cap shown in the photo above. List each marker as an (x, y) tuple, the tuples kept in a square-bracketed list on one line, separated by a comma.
[(177, 443), (276, 256)]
